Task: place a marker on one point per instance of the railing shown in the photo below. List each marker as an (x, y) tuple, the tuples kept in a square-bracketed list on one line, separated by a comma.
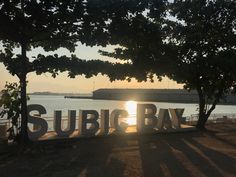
[(4, 125), (131, 121), (214, 118)]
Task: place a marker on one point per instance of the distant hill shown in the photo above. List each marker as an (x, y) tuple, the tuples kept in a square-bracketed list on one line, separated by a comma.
[(63, 94)]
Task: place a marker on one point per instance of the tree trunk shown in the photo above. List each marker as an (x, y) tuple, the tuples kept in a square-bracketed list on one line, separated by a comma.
[(204, 114), (201, 122), (202, 119), (24, 115)]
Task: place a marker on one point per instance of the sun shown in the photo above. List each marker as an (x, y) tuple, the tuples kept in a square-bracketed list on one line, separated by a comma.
[(131, 107)]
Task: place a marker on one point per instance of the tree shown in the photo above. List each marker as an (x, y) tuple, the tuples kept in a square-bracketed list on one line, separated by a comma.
[(10, 104), (191, 42), (204, 37), (50, 25), (140, 40)]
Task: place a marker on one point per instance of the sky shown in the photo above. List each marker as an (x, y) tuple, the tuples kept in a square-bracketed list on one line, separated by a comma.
[(80, 84)]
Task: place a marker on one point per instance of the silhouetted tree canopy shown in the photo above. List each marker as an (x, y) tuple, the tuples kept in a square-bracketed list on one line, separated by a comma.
[(139, 34), (51, 25), (191, 42), (205, 39)]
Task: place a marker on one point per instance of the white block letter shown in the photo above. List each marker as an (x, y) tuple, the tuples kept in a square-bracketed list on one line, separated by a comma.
[(57, 124), (104, 122), (146, 112), (115, 115), (41, 123), (88, 117), (164, 121), (176, 116)]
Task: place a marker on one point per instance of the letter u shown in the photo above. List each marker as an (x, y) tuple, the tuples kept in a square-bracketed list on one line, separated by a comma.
[(58, 123)]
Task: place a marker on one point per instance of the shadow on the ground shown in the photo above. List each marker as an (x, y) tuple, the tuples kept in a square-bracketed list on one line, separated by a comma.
[(175, 154), (88, 158), (225, 133), (182, 156)]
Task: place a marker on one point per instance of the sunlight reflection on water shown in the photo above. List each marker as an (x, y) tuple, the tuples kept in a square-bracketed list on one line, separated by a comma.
[(131, 107), (52, 103)]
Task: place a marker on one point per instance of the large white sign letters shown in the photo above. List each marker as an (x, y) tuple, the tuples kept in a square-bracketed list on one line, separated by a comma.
[(90, 124)]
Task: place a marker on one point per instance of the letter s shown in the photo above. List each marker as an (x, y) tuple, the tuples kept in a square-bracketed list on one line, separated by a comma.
[(36, 120)]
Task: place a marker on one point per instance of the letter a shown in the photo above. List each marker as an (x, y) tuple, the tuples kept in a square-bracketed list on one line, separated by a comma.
[(164, 121)]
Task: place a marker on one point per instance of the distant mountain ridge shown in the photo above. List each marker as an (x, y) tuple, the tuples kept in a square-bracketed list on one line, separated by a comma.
[(63, 94)]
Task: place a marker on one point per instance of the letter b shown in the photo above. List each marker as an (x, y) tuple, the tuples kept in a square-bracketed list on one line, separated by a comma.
[(146, 119), (88, 117)]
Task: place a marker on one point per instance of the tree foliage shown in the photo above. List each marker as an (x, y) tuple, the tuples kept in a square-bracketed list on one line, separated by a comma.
[(51, 25), (191, 42), (139, 33), (11, 108), (205, 41)]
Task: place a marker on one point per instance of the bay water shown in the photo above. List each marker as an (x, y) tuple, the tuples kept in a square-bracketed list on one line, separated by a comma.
[(58, 102)]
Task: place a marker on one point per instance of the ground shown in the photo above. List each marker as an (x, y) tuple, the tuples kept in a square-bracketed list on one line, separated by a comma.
[(187, 154)]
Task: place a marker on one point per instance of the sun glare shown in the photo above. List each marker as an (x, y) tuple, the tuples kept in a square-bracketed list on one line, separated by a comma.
[(131, 107)]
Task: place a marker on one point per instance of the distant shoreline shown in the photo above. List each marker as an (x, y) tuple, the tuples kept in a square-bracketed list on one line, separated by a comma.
[(61, 94), (141, 100), (146, 95)]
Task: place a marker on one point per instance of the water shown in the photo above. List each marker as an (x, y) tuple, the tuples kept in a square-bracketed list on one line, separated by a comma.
[(55, 102), (52, 102)]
